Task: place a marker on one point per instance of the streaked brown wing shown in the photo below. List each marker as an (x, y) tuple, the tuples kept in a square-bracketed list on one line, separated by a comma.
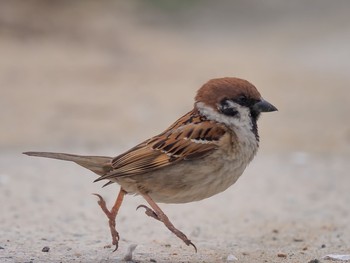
[(191, 137)]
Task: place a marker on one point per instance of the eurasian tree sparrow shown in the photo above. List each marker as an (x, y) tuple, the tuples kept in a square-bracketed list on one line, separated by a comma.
[(200, 155)]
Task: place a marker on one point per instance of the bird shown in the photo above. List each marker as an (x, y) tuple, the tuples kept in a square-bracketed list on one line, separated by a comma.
[(200, 155)]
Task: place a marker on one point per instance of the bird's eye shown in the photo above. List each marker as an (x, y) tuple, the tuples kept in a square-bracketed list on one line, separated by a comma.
[(242, 99)]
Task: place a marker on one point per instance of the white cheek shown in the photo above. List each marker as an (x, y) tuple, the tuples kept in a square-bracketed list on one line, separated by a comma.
[(242, 126), (243, 120)]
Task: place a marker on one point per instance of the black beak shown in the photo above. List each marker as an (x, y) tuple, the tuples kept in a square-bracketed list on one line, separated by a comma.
[(264, 106)]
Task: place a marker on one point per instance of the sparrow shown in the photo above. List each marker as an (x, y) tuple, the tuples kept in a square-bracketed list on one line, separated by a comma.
[(202, 154)]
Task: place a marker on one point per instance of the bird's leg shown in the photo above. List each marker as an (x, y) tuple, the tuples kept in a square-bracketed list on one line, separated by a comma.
[(112, 214), (158, 214)]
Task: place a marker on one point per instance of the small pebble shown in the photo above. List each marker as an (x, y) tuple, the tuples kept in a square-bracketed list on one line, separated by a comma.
[(45, 249), (323, 246), (314, 261), (152, 260), (298, 240), (337, 257), (128, 256), (231, 258), (281, 255), (1, 247)]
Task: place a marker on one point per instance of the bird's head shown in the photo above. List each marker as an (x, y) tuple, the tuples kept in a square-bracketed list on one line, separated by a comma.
[(231, 101)]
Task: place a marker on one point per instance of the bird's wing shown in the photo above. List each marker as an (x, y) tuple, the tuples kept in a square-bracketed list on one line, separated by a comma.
[(191, 137)]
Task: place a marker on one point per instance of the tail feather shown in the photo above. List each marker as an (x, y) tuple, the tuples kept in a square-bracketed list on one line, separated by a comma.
[(97, 164)]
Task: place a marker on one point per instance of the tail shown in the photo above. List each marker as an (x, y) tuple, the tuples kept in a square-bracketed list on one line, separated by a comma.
[(97, 164)]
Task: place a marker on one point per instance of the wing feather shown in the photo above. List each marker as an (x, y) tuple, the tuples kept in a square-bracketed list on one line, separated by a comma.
[(191, 137)]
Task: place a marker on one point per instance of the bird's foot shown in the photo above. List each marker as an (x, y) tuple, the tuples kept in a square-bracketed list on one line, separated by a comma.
[(111, 215), (149, 212), (159, 215)]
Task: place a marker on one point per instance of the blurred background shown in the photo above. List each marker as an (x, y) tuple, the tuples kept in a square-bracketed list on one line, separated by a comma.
[(112, 73), (97, 77)]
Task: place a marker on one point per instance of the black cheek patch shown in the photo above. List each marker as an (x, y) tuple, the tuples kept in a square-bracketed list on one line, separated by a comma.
[(227, 109), (229, 112)]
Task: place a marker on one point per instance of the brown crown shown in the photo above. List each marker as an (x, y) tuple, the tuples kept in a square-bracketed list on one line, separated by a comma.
[(215, 90)]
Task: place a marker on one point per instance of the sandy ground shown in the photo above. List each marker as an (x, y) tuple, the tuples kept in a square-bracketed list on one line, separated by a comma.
[(292, 205), (96, 78)]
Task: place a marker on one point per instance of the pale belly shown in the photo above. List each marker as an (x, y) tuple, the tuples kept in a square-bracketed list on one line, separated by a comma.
[(186, 182)]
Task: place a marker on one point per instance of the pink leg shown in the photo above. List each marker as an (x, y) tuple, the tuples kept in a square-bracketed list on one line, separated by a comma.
[(158, 214), (112, 214)]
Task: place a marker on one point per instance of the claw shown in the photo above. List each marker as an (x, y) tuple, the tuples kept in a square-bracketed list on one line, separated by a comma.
[(116, 248), (101, 202), (143, 206), (149, 212), (99, 197), (193, 245)]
